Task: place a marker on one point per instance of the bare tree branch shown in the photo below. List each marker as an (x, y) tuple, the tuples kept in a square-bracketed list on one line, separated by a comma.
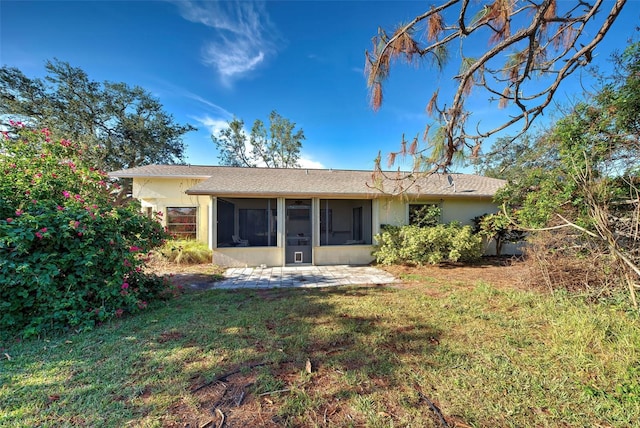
[(547, 39)]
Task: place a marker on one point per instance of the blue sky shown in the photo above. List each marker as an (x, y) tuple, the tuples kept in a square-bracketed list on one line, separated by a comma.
[(208, 61)]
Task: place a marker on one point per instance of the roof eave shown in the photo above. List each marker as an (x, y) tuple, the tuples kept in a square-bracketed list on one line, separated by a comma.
[(199, 177)]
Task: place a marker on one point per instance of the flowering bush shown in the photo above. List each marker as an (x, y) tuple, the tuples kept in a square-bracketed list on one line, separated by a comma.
[(69, 256)]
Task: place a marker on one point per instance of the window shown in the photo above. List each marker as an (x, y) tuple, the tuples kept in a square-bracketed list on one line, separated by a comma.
[(345, 222), (246, 222), (182, 222), (424, 215)]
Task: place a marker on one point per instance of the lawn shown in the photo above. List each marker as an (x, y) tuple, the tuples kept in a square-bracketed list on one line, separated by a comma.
[(474, 353)]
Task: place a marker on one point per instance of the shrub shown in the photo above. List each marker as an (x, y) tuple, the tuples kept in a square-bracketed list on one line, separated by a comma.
[(420, 245), (69, 256), (185, 251)]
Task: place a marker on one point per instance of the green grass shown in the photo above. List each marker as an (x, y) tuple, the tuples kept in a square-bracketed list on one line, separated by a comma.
[(487, 357)]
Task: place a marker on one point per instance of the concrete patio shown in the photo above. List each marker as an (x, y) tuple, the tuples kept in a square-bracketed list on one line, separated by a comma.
[(302, 277)]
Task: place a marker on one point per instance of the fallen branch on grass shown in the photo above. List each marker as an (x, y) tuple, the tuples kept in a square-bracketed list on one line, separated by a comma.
[(274, 392), (224, 376), (434, 409), (219, 413)]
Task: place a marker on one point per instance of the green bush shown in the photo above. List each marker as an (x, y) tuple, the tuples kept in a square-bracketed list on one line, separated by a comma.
[(69, 256), (185, 252), (420, 245)]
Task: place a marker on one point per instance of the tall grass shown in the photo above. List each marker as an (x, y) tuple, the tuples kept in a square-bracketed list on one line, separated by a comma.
[(184, 252)]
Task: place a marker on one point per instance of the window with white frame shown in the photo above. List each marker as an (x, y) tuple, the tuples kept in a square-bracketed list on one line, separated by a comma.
[(182, 222)]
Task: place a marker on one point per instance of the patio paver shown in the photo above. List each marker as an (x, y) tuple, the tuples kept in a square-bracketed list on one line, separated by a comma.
[(300, 277)]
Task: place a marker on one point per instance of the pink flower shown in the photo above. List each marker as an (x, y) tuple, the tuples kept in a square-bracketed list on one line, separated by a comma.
[(9, 220), (127, 263), (59, 208), (19, 212), (142, 304), (66, 194), (125, 285), (39, 235), (119, 312), (133, 249), (43, 230)]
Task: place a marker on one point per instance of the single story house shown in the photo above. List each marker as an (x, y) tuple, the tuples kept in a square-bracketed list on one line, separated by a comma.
[(278, 217)]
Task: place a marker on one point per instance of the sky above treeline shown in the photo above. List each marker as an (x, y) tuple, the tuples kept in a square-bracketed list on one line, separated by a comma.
[(210, 61)]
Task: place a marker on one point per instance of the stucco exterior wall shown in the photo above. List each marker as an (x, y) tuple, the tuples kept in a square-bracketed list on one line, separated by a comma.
[(396, 211), (160, 193), (342, 255), (248, 256), (464, 211)]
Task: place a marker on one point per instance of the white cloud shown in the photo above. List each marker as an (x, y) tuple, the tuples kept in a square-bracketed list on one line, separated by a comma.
[(243, 35), (310, 163), (214, 125), (220, 110)]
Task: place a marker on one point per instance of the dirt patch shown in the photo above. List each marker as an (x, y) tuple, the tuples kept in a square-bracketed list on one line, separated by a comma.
[(184, 275), (499, 272)]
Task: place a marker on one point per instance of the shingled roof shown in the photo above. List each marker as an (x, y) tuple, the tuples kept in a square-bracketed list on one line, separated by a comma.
[(301, 182)]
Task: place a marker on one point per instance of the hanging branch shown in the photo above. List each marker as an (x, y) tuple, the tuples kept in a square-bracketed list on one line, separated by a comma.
[(553, 46)]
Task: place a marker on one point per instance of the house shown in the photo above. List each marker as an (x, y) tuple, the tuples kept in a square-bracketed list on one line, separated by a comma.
[(277, 217)]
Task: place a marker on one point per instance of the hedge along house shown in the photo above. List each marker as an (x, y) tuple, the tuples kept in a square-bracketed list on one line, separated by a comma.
[(278, 217)]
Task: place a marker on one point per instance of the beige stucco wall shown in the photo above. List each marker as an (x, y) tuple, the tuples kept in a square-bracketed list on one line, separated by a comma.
[(396, 211), (160, 193), (342, 255), (248, 256)]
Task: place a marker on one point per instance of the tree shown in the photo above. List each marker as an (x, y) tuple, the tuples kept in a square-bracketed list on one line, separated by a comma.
[(277, 147), (70, 257), (533, 46), (589, 178), (127, 125)]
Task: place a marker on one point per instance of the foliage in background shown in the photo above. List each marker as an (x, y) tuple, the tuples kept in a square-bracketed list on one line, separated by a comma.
[(427, 215), (124, 126), (497, 228), (421, 245), (583, 173), (69, 257), (276, 147), (184, 252)]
